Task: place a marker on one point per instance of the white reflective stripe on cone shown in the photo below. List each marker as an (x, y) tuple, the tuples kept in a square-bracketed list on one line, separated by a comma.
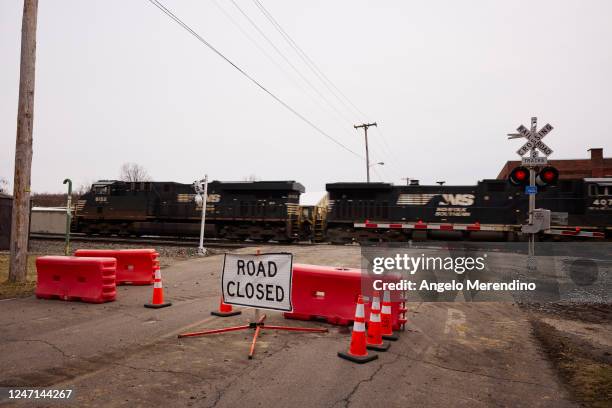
[(375, 317), (360, 312), (157, 285), (386, 297), (157, 274), (359, 327), (376, 304), (386, 310)]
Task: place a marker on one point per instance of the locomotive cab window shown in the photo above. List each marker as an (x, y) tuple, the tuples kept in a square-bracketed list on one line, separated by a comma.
[(101, 190), (596, 190)]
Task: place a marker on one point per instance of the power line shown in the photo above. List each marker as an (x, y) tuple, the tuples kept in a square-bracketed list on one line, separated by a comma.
[(263, 51), (308, 61), (274, 61), (333, 89), (386, 147), (176, 19), (284, 57), (290, 77)]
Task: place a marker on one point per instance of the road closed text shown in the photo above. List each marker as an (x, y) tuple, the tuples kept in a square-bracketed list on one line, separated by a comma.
[(259, 291), (261, 281)]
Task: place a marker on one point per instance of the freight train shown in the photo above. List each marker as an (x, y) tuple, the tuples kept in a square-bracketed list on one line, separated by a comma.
[(260, 210), (362, 212)]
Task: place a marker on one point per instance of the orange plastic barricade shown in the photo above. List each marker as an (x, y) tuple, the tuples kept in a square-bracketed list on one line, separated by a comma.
[(329, 294), (89, 280), (134, 266)]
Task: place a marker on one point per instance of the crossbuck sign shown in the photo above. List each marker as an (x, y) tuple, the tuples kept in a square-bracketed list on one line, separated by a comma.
[(534, 140)]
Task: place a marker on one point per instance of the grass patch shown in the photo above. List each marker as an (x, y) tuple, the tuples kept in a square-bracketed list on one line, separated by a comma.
[(11, 290), (588, 378)]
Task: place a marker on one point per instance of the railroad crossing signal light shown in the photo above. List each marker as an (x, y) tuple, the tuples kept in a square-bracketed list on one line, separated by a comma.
[(547, 176), (519, 176)]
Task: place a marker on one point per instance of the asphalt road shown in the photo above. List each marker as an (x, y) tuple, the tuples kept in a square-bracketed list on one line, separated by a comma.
[(122, 354)]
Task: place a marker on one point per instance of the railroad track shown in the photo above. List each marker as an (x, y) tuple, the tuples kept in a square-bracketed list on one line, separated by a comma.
[(154, 240)]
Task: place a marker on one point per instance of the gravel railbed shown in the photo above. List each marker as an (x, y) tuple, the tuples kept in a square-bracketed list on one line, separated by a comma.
[(167, 253)]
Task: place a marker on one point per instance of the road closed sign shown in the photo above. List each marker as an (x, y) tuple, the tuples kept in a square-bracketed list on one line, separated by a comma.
[(260, 281)]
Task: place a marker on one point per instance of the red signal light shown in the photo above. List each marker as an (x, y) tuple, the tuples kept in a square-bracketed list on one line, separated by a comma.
[(547, 176), (519, 176)]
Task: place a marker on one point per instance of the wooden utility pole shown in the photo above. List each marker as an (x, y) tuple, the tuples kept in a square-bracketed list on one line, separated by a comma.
[(23, 146), (365, 127)]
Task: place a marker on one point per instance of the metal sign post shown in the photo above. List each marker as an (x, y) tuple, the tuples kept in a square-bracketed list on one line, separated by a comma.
[(201, 188), (533, 144), (68, 216)]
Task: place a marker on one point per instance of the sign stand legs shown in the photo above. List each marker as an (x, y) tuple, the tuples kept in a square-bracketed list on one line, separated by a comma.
[(258, 325)]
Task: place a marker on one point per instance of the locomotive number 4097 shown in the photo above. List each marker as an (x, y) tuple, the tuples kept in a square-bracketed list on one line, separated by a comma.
[(604, 202)]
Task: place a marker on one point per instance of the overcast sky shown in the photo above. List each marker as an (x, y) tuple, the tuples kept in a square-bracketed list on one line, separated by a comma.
[(118, 81)]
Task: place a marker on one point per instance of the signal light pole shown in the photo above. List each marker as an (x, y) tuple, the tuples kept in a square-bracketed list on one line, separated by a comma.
[(201, 189), (532, 145), (365, 127)]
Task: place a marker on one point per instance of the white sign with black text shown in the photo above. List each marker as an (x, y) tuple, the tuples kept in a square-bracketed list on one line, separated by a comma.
[(259, 281), (534, 161)]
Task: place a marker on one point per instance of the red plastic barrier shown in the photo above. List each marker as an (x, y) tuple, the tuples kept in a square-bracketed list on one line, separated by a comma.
[(329, 294), (89, 280), (134, 266)]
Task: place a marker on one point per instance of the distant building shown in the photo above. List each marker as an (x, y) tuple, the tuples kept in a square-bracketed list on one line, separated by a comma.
[(596, 166)]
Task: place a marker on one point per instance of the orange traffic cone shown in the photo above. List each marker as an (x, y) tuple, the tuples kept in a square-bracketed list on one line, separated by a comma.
[(158, 293), (386, 319), (225, 310), (374, 339), (357, 350)]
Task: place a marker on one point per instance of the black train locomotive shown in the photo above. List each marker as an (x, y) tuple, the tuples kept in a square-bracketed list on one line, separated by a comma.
[(260, 210), (491, 209), (269, 210)]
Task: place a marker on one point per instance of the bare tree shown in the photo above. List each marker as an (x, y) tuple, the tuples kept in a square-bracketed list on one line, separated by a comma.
[(82, 188), (133, 172)]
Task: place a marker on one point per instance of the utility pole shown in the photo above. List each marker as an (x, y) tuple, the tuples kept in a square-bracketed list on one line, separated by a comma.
[(365, 127), (20, 225), (407, 180)]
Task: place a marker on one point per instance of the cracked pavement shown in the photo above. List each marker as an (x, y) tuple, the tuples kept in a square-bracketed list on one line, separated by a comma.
[(120, 354)]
